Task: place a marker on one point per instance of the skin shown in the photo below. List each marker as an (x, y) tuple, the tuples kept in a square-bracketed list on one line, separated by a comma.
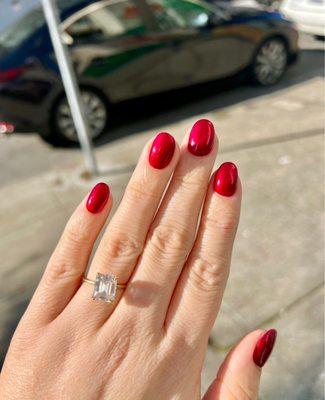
[(151, 342)]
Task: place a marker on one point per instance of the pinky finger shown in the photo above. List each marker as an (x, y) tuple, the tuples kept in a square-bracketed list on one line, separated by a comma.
[(69, 260), (240, 373)]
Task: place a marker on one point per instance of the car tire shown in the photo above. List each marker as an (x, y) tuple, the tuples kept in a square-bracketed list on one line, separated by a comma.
[(270, 62), (62, 130)]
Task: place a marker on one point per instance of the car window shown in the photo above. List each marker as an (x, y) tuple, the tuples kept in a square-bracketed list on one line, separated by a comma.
[(167, 18), (180, 13), (121, 18), (15, 34)]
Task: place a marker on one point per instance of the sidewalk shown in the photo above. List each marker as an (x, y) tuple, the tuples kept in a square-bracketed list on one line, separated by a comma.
[(277, 273)]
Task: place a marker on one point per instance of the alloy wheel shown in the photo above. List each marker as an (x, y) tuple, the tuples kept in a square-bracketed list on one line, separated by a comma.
[(270, 62), (95, 112)]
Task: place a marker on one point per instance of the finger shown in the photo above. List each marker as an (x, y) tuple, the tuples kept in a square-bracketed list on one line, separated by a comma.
[(240, 373), (172, 233), (68, 263), (200, 288), (125, 235)]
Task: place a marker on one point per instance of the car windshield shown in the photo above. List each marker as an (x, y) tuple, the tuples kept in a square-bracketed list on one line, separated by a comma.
[(15, 34), (116, 18), (188, 13), (192, 13)]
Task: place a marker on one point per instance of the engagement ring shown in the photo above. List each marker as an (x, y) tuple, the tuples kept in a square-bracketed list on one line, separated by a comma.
[(105, 287)]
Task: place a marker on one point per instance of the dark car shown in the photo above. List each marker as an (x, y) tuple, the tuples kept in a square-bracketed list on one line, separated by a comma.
[(124, 49)]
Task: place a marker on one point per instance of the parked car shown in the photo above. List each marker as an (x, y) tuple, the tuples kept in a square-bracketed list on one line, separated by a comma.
[(309, 15), (124, 49)]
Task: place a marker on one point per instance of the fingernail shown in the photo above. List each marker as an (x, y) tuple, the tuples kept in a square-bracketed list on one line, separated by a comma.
[(264, 347), (162, 150), (97, 198), (225, 180), (201, 138)]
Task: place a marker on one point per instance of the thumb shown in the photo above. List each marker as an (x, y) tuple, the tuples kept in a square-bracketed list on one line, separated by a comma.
[(240, 373)]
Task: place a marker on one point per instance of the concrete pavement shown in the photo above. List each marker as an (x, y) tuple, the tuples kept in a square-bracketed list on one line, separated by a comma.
[(275, 138)]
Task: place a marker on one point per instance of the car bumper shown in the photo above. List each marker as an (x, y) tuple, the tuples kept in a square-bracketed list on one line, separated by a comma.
[(311, 29)]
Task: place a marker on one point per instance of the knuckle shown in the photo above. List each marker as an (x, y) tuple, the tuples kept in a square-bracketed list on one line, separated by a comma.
[(122, 247), (169, 240), (61, 270), (192, 180), (26, 336), (117, 348), (225, 225), (208, 276), (139, 189), (76, 232), (236, 391)]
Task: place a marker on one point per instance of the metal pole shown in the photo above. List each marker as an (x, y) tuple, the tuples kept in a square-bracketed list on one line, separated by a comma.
[(69, 82)]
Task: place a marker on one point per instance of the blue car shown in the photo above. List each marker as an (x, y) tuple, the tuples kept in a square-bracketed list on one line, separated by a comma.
[(124, 49)]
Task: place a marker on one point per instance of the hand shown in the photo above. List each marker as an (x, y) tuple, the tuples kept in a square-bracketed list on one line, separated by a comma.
[(150, 342)]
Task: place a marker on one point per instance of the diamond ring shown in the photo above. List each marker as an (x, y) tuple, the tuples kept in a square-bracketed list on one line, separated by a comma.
[(105, 287)]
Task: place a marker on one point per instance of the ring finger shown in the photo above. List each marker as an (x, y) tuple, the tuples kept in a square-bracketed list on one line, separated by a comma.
[(125, 235)]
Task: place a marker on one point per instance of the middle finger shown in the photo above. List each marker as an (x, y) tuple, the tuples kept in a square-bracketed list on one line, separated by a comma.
[(172, 233)]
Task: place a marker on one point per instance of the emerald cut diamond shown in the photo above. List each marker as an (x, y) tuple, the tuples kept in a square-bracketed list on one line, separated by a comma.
[(105, 288)]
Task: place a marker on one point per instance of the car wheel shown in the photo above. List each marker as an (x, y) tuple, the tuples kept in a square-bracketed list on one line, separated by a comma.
[(270, 62), (95, 111)]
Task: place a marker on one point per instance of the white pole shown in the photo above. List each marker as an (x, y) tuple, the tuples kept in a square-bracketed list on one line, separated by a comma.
[(69, 82)]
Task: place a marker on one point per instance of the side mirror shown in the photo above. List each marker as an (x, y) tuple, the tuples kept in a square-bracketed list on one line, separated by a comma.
[(66, 38)]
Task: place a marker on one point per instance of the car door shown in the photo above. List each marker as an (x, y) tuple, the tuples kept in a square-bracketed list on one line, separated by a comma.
[(212, 46), (117, 49)]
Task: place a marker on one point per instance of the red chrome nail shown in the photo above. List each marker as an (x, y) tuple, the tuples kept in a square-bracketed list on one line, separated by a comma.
[(201, 138), (162, 150), (264, 347), (225, 180), (97, 198)]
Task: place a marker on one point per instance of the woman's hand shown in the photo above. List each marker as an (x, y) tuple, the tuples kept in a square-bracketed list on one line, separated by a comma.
[(150, 342)]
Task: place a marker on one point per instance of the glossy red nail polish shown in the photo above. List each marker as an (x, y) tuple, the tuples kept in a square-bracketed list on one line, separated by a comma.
[(225, 180), (264, 347), (162, 150), (201, 138), (97, 198)]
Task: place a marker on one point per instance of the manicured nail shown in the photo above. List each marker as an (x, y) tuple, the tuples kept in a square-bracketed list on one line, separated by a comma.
[(97, 198), (201, 138), (162, 150), (264, 347), (225, 180)]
